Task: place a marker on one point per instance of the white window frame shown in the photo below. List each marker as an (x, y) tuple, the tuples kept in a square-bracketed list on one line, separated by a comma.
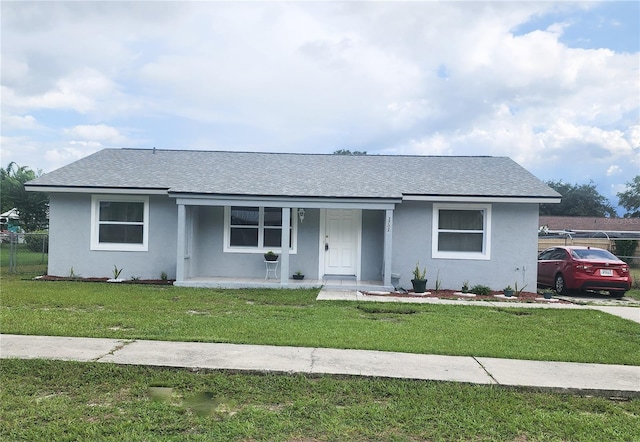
[(95, 223), (486, 232), (228, 248)]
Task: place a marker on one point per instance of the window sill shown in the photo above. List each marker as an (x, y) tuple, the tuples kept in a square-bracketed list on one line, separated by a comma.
[(256, 251), (120, 247), (462, 256)]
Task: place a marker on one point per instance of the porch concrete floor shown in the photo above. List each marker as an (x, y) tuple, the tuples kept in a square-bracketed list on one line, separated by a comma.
[(331, 283)]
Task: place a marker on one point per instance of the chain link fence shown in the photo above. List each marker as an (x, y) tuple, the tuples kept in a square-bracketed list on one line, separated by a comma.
[(24, 252)]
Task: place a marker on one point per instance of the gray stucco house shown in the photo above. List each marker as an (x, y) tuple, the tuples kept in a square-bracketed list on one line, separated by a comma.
[(207, 218)]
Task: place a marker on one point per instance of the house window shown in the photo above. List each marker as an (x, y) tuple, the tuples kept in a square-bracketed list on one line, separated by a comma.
[(461, 231), (257, 229), (119, 222)]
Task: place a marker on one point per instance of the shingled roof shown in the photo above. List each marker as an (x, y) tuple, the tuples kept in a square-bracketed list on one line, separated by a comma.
[(297, 175), (590, 223)]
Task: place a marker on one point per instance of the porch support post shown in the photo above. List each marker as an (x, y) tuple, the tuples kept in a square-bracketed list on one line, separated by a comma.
[(182, 224), (286, 235), (388, 235)]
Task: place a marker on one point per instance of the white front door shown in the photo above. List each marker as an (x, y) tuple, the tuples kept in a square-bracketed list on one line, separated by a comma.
[(341, 241)]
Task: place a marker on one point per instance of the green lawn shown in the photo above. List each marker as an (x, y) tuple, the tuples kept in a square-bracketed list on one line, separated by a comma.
[(294, 317), (56, 401)]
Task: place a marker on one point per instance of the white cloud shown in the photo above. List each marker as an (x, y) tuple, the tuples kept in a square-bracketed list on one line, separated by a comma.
[(80, 91), (98, 132), (394, 77), (21, 150), (614, 170), (632, 135), (565, 134), (436, 144), (64, 155), (13, 71), (19, 122)]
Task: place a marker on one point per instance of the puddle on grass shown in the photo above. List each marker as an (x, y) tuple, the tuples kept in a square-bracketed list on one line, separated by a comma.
[(396, 310), (514, 312), (388, 313)]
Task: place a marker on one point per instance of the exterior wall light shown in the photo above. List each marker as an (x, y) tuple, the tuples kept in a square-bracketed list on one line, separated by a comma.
[(301, 213)]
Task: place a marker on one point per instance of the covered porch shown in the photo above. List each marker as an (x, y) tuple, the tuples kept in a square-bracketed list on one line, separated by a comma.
[(211, 251)]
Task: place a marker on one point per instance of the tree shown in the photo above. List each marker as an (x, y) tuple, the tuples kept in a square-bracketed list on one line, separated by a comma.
[(32, 206), (630, 198), (349, 152), (578, 200)]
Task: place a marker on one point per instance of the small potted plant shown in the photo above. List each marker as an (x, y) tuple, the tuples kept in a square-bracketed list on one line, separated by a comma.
[(508, 291), (465, 287), (548, 294), (419, 280), (299, 276), (270, 256)]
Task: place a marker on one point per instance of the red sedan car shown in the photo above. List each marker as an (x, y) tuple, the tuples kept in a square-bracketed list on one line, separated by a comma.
[(583, 268)]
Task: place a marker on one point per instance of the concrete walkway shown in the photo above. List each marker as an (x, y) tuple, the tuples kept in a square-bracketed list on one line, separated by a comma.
[(601, 379), (630, 313)]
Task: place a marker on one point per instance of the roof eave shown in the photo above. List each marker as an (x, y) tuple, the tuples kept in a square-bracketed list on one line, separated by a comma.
[(529, 199), (95, 189), (309, 201)]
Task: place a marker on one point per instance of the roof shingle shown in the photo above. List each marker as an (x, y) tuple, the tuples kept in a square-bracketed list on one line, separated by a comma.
[(298, 175)]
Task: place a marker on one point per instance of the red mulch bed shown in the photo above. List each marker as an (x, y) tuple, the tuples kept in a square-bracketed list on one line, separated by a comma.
[(126, 281), (450, 294), (440, 294)]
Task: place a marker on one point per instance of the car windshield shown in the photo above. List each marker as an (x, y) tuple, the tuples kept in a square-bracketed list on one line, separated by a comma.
[(593, 254)]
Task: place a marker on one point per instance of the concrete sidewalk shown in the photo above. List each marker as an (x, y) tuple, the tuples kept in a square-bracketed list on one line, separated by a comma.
[(600, 379)]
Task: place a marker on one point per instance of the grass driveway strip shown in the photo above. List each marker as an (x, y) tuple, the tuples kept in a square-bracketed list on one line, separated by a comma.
[(295, 318), (55, 400)]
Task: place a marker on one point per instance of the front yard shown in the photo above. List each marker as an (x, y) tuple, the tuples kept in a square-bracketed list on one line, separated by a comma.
[(295, 318), (56, 400)]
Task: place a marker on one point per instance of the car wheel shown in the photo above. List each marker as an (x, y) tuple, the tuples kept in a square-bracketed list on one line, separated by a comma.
[(560, 287), (616, 293)]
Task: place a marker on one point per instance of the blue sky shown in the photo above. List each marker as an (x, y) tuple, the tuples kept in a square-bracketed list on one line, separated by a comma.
[(611, 24), (553, 85)]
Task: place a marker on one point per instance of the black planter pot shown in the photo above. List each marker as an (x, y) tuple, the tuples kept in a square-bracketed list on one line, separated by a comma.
[(298, 277), (270, 257), (419, 285)]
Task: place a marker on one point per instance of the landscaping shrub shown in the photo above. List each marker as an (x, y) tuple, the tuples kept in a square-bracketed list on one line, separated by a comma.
[(481, 290)]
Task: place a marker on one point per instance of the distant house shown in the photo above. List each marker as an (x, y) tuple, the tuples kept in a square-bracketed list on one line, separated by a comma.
[(613, 234), (207, 218), (591, 224), (10, 221)]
